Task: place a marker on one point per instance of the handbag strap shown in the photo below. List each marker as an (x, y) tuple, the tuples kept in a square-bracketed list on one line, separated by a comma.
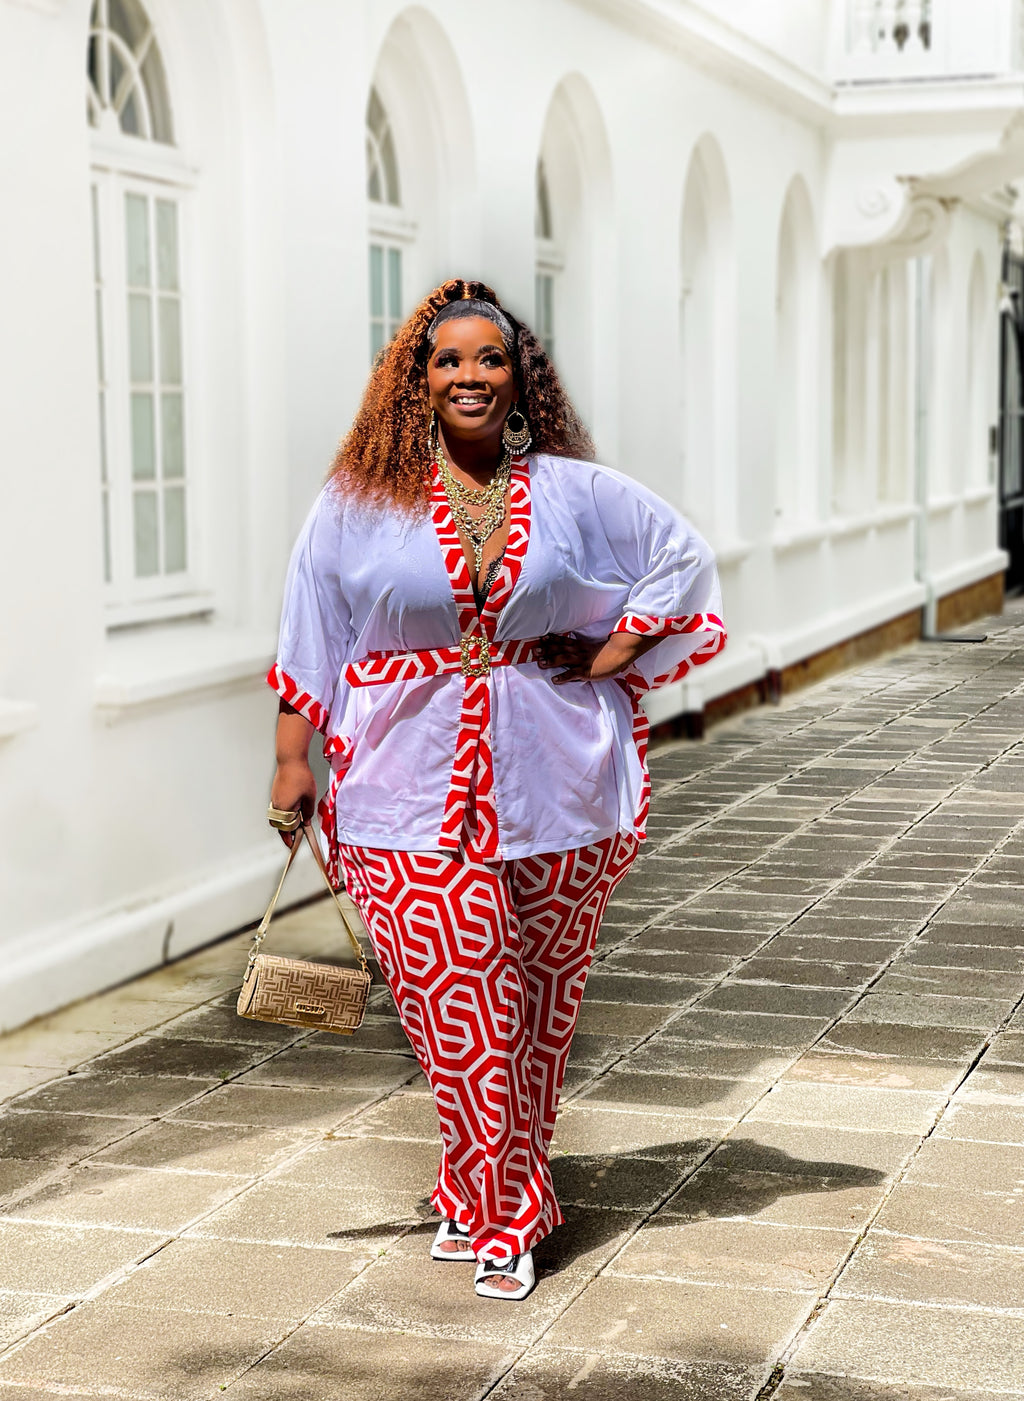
[(264, 925)]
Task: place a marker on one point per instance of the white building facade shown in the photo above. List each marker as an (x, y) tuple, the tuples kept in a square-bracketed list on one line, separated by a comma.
[(761, 238)]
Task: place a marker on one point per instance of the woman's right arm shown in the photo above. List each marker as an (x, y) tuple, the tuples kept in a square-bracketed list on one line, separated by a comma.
[(294, 785)]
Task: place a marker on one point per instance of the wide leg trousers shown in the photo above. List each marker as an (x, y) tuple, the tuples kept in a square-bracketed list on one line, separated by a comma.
[(487, 962)]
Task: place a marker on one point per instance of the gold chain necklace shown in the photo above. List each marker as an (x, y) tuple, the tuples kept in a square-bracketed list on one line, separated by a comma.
[(491, 498)]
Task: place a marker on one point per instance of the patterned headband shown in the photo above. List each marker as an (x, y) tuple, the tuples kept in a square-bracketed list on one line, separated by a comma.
[(472, 306)]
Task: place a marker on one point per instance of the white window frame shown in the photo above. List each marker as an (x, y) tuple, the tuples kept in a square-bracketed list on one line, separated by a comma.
[(129, 598), (122, 164), (549, 262), (389, 229)]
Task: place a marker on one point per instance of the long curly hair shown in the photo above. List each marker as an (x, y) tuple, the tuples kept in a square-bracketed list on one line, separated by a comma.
[(386, 456)]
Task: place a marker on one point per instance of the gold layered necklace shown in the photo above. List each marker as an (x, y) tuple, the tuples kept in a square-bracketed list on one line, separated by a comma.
[(478, 530)]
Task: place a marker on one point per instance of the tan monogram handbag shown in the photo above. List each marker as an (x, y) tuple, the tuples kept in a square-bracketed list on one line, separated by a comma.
[(297, 991)]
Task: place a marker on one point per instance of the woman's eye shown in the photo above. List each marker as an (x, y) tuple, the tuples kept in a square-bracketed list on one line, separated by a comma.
[(493, 360), (444, 362)]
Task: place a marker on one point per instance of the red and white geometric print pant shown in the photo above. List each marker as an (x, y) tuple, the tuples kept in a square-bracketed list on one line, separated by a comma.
[(487, 963)]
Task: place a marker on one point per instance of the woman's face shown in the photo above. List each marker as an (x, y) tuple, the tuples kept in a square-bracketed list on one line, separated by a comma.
[(470, 379)]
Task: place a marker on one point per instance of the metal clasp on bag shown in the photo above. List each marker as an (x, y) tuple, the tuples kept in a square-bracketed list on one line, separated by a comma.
[(481, 664), (311, 1009)]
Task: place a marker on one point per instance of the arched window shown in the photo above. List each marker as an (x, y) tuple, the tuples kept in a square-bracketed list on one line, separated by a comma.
[(137, 211), (549, 264), (389, 230)]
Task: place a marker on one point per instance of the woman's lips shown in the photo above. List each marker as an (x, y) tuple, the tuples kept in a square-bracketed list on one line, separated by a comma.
[(469, 405)]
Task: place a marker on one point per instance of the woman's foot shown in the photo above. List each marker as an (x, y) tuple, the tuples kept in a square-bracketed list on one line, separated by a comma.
[(451, 1243), (506, 1279)]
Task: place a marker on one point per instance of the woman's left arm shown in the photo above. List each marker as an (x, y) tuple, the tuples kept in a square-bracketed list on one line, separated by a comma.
[(672, 602)]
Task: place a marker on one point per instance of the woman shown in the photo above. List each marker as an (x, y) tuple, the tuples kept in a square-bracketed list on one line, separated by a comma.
[(471, 629)]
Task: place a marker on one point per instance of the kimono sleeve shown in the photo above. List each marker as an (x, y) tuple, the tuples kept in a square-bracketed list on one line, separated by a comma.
[(316, 626), (674, 590)]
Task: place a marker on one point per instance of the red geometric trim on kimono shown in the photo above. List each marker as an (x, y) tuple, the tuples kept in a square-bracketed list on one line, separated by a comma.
[(636, 685), (279, 680), (473, 764), (338, 753)]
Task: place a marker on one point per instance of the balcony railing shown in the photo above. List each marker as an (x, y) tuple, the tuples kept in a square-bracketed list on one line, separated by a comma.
[(915, 40)]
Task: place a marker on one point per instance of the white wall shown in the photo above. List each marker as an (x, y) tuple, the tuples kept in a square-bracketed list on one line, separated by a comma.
[(134, 763)]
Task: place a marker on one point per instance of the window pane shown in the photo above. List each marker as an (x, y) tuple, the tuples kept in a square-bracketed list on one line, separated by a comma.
[(143, 448), (395, 284), (96, 265), (103, 438), (174, 530), (136, 230), (170, 340), (105, 505), (377, 339), (147, 541), (167, 245), (376, 280), (387, 151), (140, 337), (99, 335), (172, 436)]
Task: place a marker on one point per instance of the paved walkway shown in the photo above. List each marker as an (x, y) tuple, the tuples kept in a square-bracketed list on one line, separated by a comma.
[(791, 1150)]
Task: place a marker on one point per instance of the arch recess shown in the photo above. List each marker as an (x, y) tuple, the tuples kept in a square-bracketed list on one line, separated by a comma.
[(576, 160), (418, 80), (707, 316), (798, 311)]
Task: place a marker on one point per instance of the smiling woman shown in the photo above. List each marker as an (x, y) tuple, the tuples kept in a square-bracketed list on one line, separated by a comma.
[(481, 807)]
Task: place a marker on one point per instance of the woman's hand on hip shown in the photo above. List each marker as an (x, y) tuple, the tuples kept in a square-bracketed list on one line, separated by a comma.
[(591, 659)]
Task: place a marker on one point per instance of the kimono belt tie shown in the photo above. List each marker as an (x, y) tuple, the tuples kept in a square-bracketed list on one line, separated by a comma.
[(474, 656)]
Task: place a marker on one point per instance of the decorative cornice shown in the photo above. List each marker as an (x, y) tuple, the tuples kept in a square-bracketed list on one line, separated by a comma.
[(710, 43)]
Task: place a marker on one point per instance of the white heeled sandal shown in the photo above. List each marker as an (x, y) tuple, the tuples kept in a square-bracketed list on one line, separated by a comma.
[(517, 1267), (450, 1231)]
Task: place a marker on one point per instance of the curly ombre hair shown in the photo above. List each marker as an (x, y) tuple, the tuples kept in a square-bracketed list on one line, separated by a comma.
[(386, 456)]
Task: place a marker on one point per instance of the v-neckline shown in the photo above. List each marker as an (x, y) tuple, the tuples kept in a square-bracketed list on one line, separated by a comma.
[(457, 566)]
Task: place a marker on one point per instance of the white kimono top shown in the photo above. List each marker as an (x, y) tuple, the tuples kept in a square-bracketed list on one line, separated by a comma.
[(427, 705)]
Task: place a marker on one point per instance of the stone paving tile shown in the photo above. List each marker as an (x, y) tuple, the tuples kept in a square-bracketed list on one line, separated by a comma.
[(925, 1346), (58, 1137), (883, 1072), (666, 1319), (598, 1132), (275, 1106), (981, 1167), (734, 1253), (235, 1279), (954, 1214), (21, 1311), (848, 1107), (890, 1266), (222, 1148), (324, 1364), (167, 1356), (66, 1260), (782, 1197), (810, 1387), (143, 1096), (136, 1198), (550, 1372), (702, 1095)]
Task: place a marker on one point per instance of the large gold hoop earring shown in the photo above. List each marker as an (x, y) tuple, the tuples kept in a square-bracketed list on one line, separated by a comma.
[(432, 433), (516, 436)]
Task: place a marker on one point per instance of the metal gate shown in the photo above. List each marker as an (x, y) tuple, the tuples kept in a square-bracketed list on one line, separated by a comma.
[(1011, 420)]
